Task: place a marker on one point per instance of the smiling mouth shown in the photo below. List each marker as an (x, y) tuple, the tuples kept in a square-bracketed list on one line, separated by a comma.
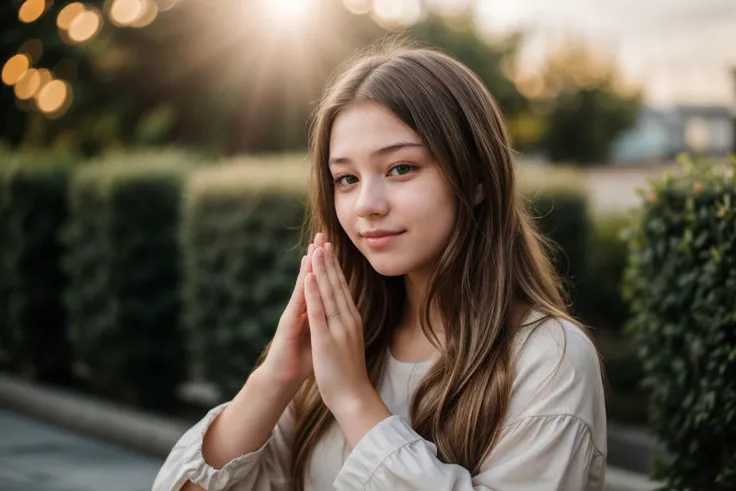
[(382, 240)]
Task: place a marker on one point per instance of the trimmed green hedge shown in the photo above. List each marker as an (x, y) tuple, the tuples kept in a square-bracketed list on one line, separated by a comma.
[(602, 303), (240, 237), (122, 257), (681, 285), (33, 192)]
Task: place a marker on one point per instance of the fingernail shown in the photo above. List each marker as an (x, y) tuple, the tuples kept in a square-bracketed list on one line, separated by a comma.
[(319, 252), (328, 247)]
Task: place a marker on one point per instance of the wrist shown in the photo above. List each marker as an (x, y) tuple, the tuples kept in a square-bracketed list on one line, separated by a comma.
[(356, 403), (359, 414), (268, 381)]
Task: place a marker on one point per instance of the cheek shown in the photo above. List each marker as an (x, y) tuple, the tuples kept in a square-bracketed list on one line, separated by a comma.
[(429, 205), (345, 215)]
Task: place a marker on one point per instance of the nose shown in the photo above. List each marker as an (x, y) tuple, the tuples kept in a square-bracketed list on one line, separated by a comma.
[(372, 199)]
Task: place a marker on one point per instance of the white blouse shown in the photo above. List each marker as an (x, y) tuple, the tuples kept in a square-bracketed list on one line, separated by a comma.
[(553, 437)]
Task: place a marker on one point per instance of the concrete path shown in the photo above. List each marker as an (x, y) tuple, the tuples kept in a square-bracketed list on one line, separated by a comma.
[(35, 456)]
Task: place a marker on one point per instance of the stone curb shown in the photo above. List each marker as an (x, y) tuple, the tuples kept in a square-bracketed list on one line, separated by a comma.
[(153, 434), (145, 432)]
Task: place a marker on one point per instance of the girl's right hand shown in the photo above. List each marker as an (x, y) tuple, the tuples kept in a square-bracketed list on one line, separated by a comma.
[(289, 358)]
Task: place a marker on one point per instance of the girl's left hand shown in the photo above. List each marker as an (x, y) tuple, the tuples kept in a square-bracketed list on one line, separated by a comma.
[(338, 349)]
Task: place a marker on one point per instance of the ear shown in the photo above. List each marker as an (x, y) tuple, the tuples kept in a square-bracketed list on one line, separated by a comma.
[(480, 194)]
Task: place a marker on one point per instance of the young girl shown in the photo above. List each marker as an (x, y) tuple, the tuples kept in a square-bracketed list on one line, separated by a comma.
[(426, 345)]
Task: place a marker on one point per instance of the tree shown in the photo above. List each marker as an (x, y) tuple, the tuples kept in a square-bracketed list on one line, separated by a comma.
[(584, 104)]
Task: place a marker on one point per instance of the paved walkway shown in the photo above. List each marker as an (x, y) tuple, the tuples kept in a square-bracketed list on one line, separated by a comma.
[(35, 456)]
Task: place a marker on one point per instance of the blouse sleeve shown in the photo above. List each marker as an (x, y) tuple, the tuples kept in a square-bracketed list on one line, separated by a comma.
[(547, 443), (265, 469), (537, 453)]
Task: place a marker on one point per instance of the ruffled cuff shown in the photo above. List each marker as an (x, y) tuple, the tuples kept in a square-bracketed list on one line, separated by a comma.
[(204, 475), (373, 449)]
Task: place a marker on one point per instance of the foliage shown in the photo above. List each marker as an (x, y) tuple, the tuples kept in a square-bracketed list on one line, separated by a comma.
[(680, 284), (584, 104), (33, 191), (122, 257), (239, 236), (256, 84), (602, 303)]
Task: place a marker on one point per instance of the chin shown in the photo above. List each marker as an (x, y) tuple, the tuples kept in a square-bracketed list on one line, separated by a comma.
[(387, 266)]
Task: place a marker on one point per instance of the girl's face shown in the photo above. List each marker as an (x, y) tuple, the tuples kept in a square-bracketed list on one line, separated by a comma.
[(387, 182)]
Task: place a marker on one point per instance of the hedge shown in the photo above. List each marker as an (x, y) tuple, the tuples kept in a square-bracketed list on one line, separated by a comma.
[(602, 303), (681, 285), (33, 191), (123, 260), (239, 238)]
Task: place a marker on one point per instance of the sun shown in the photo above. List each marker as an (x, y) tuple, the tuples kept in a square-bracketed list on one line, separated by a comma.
[(286, 11)]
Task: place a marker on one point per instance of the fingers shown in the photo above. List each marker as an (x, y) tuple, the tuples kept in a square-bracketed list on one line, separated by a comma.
[(326, 291), (320, 239), (343, 283), (315, 311), (297, 296), (342, 298)]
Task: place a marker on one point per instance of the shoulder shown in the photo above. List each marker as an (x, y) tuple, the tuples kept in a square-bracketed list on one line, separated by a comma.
[(556, 373)]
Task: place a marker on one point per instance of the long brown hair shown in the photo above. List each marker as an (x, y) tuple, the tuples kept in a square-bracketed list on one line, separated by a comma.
[(495, 261)]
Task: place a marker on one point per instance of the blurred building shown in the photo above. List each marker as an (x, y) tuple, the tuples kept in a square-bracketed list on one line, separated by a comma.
[(661, 133)]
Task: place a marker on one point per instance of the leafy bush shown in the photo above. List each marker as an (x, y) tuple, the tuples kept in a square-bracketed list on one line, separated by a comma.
[(681, 284), (239, 236), (33, 192), (123, 261), (602, 304)]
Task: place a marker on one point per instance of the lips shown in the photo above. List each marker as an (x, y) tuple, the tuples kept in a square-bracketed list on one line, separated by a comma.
[(382, 239), (380, 233)]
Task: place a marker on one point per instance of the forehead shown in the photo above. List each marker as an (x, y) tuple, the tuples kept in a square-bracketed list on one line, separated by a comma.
[(362, 128)]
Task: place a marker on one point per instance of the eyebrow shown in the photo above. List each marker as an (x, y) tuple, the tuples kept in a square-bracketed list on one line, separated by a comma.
[(395, 147)]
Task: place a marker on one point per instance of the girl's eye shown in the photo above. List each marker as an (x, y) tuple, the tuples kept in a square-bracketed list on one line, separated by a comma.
[(403, 169), (407, 168), (339, 179)]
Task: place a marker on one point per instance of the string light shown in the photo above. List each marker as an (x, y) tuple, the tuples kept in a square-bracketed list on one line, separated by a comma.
[(27, 86), (85, 26), (68, 14), (31, 10), (15, 68), (54, 98)]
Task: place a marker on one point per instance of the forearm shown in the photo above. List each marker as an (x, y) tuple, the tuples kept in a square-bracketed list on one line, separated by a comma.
[(247, 422)]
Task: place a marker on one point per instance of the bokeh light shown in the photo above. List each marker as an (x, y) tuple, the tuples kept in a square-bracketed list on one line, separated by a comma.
[(85, 26), (124, 12), (396, 14), (68, 14), (54, 98), (27, 86), (359, 7), (132, 13), (46, 77), (147, 16), (32, 48), (15, 68), (31, 10)]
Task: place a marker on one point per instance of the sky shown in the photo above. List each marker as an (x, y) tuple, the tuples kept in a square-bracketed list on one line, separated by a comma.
[(682, 51)]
